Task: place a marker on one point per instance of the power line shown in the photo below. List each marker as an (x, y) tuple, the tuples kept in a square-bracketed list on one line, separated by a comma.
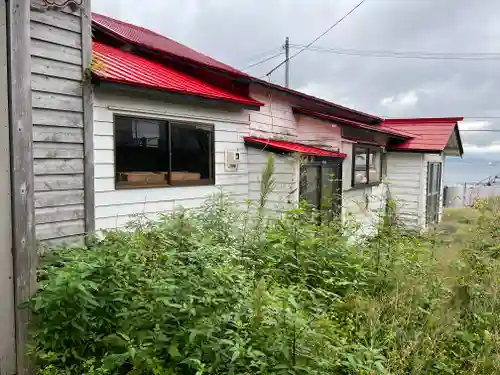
[(264, 54), (317, 38), (264, 60), (471, 56), (481, 130)]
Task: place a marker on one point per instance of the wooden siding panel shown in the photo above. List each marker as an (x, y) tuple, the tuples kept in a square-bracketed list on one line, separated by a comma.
[(52, 231), (59, 214), (57, 118), (57, 134), (58, 198), (42, 31), (56, 85), (54, 68), (57, 166), (59, 102), (59, 19), (286, 193), (58, 182), (49, 150), (404, 173), (55, 52)]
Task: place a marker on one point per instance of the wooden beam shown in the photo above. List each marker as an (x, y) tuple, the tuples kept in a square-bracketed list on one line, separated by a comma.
[(7, 319), (88, 120), (23, 224)]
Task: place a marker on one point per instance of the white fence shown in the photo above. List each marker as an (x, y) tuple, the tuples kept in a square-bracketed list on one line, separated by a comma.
[(456, 196)]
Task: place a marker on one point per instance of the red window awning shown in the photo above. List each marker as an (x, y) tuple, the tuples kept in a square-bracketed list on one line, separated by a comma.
[(273, 145), (115, 65)]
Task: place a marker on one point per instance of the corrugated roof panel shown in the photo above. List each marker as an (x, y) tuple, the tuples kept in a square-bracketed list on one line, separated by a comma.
[(294, 147), (114, 65), (146, 38), (431, 134)]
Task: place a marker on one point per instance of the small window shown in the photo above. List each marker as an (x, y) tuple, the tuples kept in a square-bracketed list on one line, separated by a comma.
[(367, 165), (153, 153)]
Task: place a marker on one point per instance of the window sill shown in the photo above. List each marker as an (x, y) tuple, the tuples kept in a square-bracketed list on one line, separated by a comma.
[(132, 186), (364, 186)]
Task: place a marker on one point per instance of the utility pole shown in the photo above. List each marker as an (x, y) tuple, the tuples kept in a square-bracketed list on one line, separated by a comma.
[(287, 62)]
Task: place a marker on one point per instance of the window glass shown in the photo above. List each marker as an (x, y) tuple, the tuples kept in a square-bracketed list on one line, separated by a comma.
[(367, 165), (158, 153), (360, 173), (374, 167), (309, 185), (191, 160)]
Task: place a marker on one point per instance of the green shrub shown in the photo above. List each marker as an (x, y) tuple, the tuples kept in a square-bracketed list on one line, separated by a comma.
[(222, 291)]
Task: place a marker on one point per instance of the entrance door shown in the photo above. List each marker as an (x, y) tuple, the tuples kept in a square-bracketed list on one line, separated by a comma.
[(321, 185), (434, 171)]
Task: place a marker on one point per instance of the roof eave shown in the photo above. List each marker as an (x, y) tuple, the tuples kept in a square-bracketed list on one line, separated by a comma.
[(113, 84), (370, 118)]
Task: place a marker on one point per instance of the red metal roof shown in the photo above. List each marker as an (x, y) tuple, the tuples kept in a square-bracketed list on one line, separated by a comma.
[(143, 37), (431, 134), (294, 147), (114, 65), (148, 39), (338, 120)]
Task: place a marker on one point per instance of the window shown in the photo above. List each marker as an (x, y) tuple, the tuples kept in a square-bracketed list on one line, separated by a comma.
[(321, 185), (367, 165), (434, 172), (151, 153)]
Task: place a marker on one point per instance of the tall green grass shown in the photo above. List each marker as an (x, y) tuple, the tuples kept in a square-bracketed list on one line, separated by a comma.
[(229, 291)]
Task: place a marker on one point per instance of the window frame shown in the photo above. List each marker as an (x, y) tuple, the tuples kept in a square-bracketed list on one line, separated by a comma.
[(208, 127), (433, 192), (369, 149), (336, 184)]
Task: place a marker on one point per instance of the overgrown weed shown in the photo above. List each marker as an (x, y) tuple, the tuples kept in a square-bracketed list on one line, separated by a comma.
[(229, 291)]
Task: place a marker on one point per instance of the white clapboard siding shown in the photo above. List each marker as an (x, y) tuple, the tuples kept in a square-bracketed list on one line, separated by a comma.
[(58, 150), (285, 194), (116, 207), (361, 204), (405, 183)]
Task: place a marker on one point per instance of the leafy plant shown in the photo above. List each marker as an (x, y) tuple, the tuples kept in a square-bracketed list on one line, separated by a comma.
[(223, 291)]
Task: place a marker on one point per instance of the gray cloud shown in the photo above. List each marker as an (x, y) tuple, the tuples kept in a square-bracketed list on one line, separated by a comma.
[(237, 31)]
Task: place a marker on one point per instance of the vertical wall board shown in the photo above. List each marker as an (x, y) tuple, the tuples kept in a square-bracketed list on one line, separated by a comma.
[(7, 320), (23, 233), (88, 121)]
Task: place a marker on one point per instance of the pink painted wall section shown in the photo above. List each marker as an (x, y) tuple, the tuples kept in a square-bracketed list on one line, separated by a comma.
[(318, 133), (276, 118)]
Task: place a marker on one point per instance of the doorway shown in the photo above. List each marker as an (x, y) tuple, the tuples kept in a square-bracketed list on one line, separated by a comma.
[(434, 171), (321, 185)]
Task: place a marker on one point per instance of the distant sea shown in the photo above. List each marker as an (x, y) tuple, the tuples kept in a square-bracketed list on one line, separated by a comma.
[(470, 169)]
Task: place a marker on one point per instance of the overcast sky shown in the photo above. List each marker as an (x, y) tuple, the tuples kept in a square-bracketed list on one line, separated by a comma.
[(240, 32)]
